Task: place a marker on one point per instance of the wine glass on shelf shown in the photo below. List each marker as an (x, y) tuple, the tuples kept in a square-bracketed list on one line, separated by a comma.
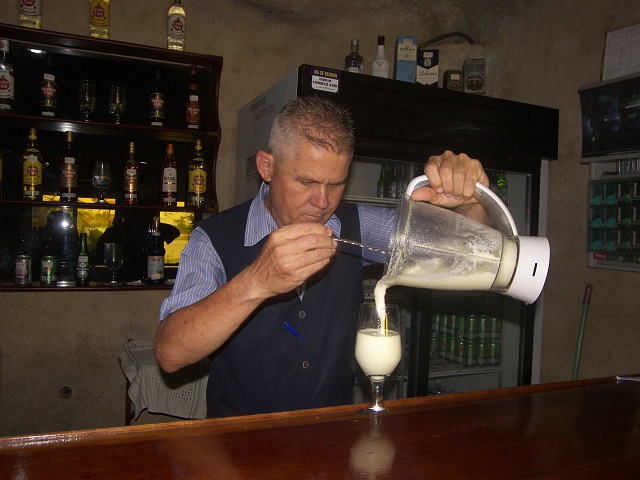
[(101, 178), (378, 348), (87, 98), (117, 100), (113, 260)]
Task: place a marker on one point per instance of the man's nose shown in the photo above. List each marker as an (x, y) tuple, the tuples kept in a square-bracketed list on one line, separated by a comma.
[(320, 197)]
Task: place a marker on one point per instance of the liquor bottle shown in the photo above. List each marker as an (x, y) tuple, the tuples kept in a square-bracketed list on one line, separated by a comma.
[(197, 178), (157, 100), (169, 179), (30, 14), (354, 62), (32, 169), (99, 18), (49, 263), (7, 79), (192, 106), (48, 90), (155, 255), (176, 26), (83, 267), (380, 64), (382, 189), (131, 177), (69, 171)]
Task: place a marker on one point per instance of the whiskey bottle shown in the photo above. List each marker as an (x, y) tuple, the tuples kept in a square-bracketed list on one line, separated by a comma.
[(7, 79), (30, 14), (192, 105), (157, 100), (380, 64), (99, 18), (48, 90), (83, 267), (354, 62), (197, 178), (169, 179), (176, 26), (32, 169), (69, 171), (131, 177), (155, 255)]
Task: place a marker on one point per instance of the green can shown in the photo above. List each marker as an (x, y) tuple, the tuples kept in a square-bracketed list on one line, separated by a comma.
[(436, 323), (458, 354), (495, 352), (483, 353), (484, 327), (48, 270), (434, 346), (451, 348), (496, 327), (451, 325), (442, 351), (471, 327), (461, 326)]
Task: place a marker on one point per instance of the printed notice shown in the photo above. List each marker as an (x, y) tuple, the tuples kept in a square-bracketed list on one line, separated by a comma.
[(621, 52), (325, 80)]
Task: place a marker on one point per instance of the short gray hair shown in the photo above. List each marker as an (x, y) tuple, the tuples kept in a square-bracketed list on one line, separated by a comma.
[(323, 123)]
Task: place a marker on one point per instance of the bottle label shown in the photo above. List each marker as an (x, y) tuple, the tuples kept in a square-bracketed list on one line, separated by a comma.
[(30, 7), (169, 180), (48, 93), (157, 109), (193, 114), (99, 13), (198, 181), (69, 174), (175, 26), (83, 267), (130, 184), (7, 83), (155, 267), (32, 171)]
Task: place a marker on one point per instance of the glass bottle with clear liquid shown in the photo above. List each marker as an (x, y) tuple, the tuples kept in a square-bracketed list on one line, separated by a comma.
[(176, 26), (7, 78), (30, 14), (354, 61)]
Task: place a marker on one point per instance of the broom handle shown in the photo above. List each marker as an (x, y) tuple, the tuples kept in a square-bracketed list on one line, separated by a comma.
[(586, 300)]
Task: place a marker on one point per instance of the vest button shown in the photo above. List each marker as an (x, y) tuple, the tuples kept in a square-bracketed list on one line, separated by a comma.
[(305, 364), (302, 314)]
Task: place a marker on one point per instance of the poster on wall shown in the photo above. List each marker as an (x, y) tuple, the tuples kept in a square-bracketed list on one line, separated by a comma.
[(621, 52)]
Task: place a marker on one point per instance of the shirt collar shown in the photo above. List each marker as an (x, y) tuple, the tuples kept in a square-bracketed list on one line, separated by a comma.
[(260, 223)]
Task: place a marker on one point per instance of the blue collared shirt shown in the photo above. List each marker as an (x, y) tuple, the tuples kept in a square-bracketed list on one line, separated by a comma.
[(201, 271)]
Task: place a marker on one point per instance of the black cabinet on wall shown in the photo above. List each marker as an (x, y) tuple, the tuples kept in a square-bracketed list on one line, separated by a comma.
[(105, 62)]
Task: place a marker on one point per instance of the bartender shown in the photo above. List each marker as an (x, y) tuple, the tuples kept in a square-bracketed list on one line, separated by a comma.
[(265, 291)]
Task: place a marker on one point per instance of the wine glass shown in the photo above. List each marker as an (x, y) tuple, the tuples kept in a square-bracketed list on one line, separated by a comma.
[(87, 98), (117, 100), (101, 178), (378, 348), (113, 259)]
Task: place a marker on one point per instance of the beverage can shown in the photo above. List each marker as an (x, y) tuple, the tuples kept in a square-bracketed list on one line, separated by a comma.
[(483, 331), (442, 342), (460, 326), (436, 323), (451, 325), (459, 351), (48, 270), (450, 354), (434, 346), (23, 270), (483, 353), (495, 352), (496, 327), (471, 353), (471, 328)]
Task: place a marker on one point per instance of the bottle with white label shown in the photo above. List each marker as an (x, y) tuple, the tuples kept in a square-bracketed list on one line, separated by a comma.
[(169, 179), (7, 79), (155, 255), (380, 65), (30, 14), (69, 171), (354, 62), (176, 26)]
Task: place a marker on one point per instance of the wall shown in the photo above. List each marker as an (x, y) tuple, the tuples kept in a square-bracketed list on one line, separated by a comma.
[(537, 52)]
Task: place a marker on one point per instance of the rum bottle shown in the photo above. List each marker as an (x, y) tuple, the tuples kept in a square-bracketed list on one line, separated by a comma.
[(131, 177), (7, 79), (99, 18), (83, 267), (30, 14), (69, 171), (169, 179), (380, 64), (155, 255), (157, 107), (354, 62), (48, 90), (32, 169), (197, 178), (192, 106), (176, 26)]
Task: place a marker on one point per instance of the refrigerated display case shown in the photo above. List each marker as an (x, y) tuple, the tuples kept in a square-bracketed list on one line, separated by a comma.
[(400, 124)]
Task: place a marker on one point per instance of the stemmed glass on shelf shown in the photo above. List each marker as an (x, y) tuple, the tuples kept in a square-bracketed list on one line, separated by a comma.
[(101, 178), (87, 98), (113, 260), (117, 101), (378, 348)]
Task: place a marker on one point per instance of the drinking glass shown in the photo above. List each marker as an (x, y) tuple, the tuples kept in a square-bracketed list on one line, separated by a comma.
[(87, 98), (378, 348), (113, 260), (101, 178), (117, 100)]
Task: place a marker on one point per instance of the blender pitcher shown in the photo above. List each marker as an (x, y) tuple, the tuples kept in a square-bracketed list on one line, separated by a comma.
[(436, 248)]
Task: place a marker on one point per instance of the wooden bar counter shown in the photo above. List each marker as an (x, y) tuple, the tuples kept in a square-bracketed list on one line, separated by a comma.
[(579, 430)]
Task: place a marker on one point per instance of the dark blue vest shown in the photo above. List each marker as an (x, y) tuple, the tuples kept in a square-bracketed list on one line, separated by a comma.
[(264, 367)]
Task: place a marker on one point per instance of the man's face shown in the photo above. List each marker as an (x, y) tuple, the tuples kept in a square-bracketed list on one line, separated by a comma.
[(307, 187)]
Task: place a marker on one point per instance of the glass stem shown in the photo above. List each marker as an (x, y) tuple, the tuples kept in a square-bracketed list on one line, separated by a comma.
[(376, 404)]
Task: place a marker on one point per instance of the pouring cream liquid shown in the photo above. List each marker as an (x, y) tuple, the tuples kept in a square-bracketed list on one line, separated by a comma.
[(378, 354)]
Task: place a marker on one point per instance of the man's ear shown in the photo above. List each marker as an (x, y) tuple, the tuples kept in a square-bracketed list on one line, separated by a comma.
[(264, 162)]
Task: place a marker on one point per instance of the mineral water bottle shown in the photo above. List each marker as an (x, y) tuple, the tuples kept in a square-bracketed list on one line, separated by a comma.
[(176, 24)]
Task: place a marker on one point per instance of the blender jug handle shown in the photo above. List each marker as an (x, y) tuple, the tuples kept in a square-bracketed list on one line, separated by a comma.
[(498, 211)]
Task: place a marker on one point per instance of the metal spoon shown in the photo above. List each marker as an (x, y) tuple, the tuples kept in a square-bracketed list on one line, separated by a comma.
[(357, 244)]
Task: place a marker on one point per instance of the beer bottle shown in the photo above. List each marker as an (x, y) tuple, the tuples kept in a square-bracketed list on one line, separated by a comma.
[(131, 177), (69, 171), (169, 179), (192, 106), (32, 169), (197, 178), (155, 255), (83, 268)]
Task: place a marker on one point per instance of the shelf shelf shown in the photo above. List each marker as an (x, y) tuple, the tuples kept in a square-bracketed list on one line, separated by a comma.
[(102, 206), (440, 369), (93, 287)]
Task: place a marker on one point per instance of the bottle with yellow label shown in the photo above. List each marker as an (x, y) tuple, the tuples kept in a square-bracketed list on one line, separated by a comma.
[(99, 18), (197, 179), (32, 169)]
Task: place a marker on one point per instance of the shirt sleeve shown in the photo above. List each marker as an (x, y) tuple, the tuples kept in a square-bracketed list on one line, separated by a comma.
[(200, 273), (376, 227)]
